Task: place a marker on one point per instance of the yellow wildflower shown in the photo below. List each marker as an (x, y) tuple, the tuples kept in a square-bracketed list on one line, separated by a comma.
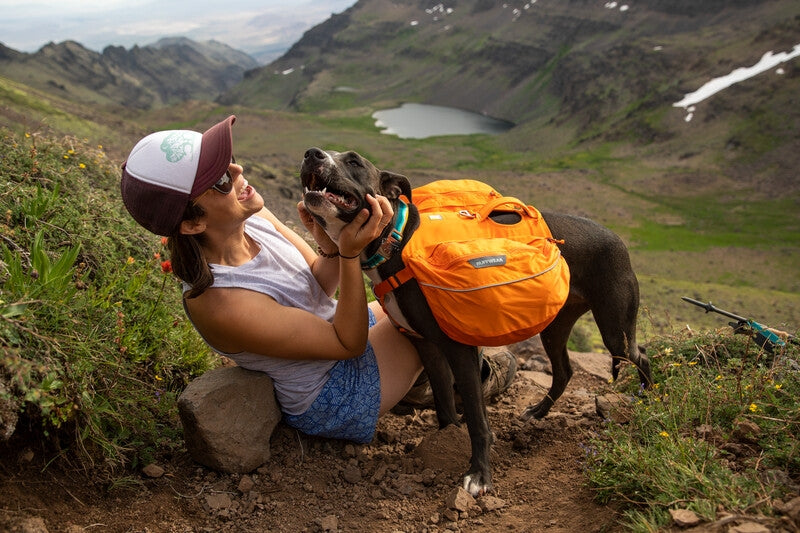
[(82, 165), (663, 434), (753, 408), (130, 260)]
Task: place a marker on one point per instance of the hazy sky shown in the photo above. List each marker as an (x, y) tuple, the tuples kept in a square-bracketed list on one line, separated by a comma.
[(248, 25)]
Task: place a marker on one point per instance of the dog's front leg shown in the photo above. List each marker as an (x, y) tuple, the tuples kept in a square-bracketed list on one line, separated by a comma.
[(465, 362), (441, 380)]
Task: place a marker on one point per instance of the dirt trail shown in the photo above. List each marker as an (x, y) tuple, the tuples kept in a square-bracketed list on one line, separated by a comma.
[(401, 482)]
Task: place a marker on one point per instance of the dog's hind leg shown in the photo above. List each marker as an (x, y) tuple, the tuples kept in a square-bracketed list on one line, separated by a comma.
[(554, 339), (616, 316)]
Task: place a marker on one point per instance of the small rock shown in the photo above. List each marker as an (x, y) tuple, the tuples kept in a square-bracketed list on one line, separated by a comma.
[(26, 456), (379, 473), (329, 523), (491, 503), (218, 501), (450, 515), (459, 499), (704, 431), (684, 517), (352, 474), (615, 407), (33, 525), (791, 509), (153, 470), (749, 527), (246, 484), (746, 431)]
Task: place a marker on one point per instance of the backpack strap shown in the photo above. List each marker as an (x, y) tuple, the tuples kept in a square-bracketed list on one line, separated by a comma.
[(391, 283)]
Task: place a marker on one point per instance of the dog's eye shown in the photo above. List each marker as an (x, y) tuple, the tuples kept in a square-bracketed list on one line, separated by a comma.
[(355, 163)]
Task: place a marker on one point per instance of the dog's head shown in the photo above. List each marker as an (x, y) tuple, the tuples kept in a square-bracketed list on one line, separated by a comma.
[(336, 184)]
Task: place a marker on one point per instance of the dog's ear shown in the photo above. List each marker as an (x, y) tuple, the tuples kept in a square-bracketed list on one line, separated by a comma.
[(393, 185)]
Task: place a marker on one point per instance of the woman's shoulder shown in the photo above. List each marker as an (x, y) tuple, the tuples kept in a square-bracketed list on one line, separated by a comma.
[(262, 219)]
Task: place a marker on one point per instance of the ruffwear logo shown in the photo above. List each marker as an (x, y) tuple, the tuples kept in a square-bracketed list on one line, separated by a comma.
[(178, 145), (488, 261)]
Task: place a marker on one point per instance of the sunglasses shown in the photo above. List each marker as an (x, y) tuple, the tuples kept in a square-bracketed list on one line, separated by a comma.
[(224, 185)]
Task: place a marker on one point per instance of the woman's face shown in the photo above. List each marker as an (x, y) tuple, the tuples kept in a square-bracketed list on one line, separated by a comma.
[(233, 208)]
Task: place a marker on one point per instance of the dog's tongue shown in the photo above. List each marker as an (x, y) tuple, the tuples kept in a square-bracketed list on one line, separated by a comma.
[(346, 203)]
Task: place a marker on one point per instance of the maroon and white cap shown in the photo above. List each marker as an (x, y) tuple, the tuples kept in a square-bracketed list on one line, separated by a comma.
[(167, 169)]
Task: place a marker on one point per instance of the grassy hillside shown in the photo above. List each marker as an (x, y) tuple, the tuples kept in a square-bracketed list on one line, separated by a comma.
[(94, 343)]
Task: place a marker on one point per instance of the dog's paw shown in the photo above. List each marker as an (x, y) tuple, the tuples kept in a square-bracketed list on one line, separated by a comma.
[(536, 412), (475, 485)]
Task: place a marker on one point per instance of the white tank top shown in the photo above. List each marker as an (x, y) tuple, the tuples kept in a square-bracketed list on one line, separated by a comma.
[(281, 272)]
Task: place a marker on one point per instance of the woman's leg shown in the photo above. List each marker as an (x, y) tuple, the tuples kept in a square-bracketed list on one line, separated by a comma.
[(398, 362)]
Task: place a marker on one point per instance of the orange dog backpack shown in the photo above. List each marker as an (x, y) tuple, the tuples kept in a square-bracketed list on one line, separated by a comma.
[(488, 283)]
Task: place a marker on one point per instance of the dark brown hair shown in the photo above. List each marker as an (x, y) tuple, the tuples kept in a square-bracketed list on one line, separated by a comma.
[(186, 254)]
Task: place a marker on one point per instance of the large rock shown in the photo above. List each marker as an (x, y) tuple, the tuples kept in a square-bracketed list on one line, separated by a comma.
[(228, 415)]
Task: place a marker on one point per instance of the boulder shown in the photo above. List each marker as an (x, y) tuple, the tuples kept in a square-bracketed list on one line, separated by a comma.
[(228, 416)]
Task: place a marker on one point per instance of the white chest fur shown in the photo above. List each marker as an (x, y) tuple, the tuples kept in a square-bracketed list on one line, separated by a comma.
[(390, 303)]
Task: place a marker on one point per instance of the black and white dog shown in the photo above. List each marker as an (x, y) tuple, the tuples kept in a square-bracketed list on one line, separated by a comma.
[(602, 280)]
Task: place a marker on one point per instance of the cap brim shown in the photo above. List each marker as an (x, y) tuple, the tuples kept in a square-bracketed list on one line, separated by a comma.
[(216, 150)]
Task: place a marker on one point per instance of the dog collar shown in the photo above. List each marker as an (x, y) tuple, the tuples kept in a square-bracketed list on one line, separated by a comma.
[(392, 241)]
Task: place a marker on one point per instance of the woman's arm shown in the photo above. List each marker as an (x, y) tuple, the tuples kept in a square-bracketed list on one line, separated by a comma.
[(324, 269), (235, 320)]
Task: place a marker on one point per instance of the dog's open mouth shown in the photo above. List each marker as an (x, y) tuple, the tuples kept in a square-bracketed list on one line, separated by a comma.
[(342, 200)]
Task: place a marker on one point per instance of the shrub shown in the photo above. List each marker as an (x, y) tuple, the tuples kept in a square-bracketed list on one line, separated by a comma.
[(719, 429), (95, 345)]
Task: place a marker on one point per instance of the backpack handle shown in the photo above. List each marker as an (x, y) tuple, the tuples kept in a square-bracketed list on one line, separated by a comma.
[(487, 209)]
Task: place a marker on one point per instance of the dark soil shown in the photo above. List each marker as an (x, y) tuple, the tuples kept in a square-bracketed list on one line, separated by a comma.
[(403, 481)]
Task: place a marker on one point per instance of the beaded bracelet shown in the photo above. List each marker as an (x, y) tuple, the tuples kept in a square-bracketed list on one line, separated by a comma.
[(322, 252)]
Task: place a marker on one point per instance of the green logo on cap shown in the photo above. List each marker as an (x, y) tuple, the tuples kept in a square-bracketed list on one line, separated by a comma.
[(177, 145)]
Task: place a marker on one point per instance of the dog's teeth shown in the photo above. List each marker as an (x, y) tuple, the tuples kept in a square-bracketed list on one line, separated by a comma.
[(305, 190)]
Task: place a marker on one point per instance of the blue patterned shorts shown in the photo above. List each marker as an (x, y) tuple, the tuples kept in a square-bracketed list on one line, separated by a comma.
[(348, 405)]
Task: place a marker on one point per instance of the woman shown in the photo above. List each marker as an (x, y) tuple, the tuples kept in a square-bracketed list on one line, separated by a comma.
[(260, 295)]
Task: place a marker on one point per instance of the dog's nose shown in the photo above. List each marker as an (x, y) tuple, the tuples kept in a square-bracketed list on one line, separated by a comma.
[(314, 153)]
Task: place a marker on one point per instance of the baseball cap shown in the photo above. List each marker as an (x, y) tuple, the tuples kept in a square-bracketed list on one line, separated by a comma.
[(167, 169)]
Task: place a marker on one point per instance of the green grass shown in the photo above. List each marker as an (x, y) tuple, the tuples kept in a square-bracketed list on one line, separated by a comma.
[(95, 346), (718, 430)]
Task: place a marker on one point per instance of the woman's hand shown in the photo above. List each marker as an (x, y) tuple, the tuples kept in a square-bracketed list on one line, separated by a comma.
[(366, 226)]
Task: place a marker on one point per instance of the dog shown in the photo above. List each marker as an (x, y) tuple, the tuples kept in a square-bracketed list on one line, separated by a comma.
[(602, 281)]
